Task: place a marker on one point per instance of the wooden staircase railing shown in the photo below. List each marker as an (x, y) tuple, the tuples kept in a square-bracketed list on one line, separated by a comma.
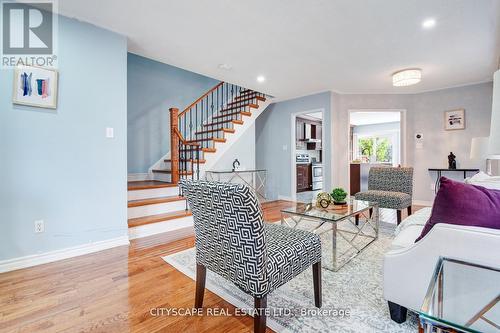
[(204, 122)]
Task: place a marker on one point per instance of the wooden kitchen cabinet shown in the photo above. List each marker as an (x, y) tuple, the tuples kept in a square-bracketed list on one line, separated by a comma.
[(304, 177)]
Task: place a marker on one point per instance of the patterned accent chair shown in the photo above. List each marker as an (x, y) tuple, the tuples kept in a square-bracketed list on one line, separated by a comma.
[(233, 241), (391, 187)]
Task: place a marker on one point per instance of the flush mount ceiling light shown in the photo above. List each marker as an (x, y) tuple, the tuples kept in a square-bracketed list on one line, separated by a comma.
[(225, 67), (261, 78), (428, 23), (406, 77)]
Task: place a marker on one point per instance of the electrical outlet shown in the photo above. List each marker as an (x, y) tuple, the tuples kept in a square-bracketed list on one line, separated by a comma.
[(110, 132), (431, 187), (39, 226)]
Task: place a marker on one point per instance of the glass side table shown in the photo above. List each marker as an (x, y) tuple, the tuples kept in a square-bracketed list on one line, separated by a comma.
[(462, 297)]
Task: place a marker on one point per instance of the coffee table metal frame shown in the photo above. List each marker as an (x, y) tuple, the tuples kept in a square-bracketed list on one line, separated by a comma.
[(366, 220)]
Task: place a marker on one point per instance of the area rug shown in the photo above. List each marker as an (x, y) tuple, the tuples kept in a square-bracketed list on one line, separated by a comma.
[(352, 297)]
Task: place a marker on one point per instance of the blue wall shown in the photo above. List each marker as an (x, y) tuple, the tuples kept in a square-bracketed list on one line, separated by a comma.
[(273, 140), (57, 165), (153, 88)]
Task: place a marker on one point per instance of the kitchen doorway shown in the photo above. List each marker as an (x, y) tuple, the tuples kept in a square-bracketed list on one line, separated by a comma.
[(307, 169), (376, 138)]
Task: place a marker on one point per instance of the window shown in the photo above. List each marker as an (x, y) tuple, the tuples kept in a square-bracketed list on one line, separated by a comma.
[(375, 149)]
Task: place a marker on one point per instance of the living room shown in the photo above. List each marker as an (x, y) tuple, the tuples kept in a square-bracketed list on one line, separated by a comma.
[(150, 166)]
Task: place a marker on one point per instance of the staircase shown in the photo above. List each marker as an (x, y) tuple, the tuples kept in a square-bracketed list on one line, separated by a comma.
[(199, 136)]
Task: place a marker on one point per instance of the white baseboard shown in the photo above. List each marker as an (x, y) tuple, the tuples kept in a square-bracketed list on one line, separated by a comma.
[(422, 203), (134, 177), (286, 198), (70, 252)]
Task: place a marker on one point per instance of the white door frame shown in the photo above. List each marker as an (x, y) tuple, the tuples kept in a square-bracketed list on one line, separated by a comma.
[(293, 150), (402, 135)]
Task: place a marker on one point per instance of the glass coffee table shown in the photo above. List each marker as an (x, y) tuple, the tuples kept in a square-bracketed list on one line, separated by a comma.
[(462, 297), (346, 230)]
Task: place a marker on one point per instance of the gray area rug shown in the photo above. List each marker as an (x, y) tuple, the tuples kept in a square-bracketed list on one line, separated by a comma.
[(352, 297)]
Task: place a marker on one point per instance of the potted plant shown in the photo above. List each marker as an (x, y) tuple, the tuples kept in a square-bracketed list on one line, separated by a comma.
[(339, 194)]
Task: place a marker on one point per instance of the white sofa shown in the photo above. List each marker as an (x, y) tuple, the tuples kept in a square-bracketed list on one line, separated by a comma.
[(408, 266)]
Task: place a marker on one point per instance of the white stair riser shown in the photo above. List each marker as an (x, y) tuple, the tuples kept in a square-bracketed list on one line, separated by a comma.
[(160, 208), (160, 227), (153, 193), (163, 177)]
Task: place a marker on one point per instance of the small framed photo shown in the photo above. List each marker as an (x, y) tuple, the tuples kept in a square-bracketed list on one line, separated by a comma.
[(35, 86), (454, 120)]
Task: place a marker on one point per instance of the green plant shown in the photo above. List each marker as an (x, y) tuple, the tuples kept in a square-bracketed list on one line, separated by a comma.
[(338, 194)]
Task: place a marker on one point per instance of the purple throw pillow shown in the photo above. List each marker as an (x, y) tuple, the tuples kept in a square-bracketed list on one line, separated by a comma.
[(464, 204)]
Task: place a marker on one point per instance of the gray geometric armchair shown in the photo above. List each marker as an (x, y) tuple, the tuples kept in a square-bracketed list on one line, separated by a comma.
[(233, 241), (390, 187)]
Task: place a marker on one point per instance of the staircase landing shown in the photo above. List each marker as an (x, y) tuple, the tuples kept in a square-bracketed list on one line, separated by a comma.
[(148, 184)]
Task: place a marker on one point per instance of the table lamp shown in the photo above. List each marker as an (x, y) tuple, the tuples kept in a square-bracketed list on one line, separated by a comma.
[(479, 150)]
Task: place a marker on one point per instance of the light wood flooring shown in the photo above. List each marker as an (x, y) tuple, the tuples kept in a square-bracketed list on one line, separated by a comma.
[(113, 291)]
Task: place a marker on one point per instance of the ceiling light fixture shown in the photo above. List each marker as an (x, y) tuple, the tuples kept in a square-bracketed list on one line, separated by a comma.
[(261, 78), (428, 23), (225, 67), (406, 77)]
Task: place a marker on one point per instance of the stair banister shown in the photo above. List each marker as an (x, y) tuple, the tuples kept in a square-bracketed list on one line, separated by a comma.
[(174, 144), (202, 123)]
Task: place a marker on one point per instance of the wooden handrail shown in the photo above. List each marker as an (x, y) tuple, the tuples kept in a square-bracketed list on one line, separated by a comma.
[(199, 99), (174, 145), (181, 138)]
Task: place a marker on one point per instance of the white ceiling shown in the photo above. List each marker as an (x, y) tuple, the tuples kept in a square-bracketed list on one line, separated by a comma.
[(313, 115), (302, 47), (370, 118)]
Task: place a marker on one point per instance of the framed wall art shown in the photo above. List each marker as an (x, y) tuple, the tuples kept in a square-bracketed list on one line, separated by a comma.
[(35, 86), (454, 120)]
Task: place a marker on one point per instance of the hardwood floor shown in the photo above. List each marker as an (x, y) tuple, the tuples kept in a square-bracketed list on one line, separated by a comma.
[(113, 291)]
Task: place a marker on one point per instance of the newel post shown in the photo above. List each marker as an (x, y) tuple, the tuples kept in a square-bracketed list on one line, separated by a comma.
[(174, 144)]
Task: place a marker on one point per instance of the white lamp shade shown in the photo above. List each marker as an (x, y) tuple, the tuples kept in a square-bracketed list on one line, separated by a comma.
[(479, 148), (494, 145)]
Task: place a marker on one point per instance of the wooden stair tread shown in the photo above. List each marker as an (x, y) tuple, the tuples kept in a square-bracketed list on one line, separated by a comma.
[(255, 106), (201, 161), (247, 99), (243, 113), (138, 221), (148, 184), (245, 95), (225, 130), (153, 201), (237, 122), (209, 139), (204, 150), (184, 173)]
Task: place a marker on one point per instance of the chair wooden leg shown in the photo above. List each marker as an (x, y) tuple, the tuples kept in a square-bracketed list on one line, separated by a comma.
[(408, 210), (317, 284), (398, 213), (356, 219), (371, 212), (259, 319), (201, 275)]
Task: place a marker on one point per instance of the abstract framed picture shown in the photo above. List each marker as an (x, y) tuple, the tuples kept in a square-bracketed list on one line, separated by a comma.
[(35, 86), (454, 120)]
